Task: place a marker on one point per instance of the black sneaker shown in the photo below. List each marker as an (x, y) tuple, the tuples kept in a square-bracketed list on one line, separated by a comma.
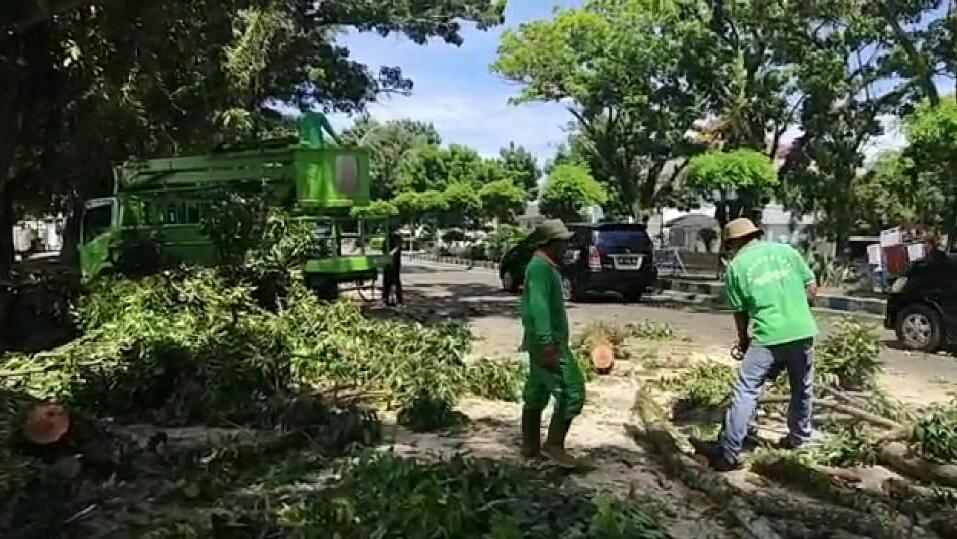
[(715, 456), (722, 464), (790, 442)]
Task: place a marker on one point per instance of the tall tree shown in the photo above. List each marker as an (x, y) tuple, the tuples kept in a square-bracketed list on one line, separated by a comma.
[(895, 191), (463, 203), (161, 77), (522, 166), (619, 70), (502, 200), (735, 182), (568, 191), (846, 83), (390, 143), (932, 133)]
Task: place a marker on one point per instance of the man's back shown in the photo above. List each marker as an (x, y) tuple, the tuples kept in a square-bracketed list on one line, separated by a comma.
[(768, 282)]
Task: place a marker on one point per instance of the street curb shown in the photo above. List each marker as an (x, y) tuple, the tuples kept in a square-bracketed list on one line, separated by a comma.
[(715, 291), (831, 302), (451, 260)]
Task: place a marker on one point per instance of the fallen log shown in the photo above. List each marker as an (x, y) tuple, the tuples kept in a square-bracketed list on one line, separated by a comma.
[(845, 409), (832, 486), (658, 433), (751, 510), (898, 457), (845, 397), (941, 516)]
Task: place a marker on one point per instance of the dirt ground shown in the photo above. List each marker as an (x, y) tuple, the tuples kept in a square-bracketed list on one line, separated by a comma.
[(431, 290), (616, 462)]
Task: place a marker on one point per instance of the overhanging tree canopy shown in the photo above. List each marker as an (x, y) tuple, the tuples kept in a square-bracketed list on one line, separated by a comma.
[(87, 83)]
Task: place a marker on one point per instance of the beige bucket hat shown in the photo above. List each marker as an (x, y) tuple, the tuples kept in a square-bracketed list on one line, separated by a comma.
[(741, 228), (552, 229)]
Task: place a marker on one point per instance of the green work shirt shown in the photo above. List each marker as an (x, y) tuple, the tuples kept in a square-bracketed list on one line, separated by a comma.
[(768, 282), (543, 308)]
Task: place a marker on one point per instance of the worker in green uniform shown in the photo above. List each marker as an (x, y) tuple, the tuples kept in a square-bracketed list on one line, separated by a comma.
[(313, 126), (553, 371), (770, 289)]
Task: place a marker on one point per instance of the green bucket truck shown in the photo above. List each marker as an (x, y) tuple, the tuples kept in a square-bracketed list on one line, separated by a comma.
[(171, 197)]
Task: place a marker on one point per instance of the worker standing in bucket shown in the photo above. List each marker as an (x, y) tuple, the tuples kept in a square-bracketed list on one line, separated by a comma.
[(553, 371), (770, 288)]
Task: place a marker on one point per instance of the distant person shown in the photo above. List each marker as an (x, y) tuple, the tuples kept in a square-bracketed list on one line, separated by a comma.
[(553, 371), (933, 254), (392, 274), (769, 286)]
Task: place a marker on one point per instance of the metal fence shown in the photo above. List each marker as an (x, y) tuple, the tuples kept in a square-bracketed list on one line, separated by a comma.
[(678, 262)]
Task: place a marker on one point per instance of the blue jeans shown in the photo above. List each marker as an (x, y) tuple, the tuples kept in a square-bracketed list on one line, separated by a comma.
[(759, 365)]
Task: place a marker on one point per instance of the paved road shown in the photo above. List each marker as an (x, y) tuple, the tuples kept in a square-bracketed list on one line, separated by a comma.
[(477, 295)]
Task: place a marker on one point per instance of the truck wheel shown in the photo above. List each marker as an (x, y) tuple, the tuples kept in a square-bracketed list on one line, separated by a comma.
[(633, 295), (508, 282), (919, 328), (326, 289)]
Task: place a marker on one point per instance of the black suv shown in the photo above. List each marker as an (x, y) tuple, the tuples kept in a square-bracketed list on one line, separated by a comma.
[(922, 307), (601, 257)]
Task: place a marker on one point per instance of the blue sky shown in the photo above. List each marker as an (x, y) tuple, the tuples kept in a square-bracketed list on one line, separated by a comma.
[(455, 90)]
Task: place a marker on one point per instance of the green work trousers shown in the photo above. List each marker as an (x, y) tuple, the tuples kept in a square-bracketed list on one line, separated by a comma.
[(567, 385)]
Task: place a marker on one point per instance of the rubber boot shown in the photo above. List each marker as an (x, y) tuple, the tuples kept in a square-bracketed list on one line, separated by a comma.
[(554, 447), (531, 433)]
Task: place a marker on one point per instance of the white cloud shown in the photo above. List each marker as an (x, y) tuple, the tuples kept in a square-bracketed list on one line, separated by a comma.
[(484, 123)]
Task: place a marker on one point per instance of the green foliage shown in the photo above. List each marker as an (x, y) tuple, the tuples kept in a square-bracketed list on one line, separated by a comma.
[(935, 434), (462, 498), (496, 379), (705, 385), (521, 166), (376, 209), (420, 370), (741, 171), (462, 201), (502, 200), (830, 271), (843, 447), (416, 206), (171, 349), (931, 132), (503, 239), (212, 67), (193, 347), (618, 66), (651, 330), (235, 224), (894, 192), (390, 143), (569, 190), (849, 357)]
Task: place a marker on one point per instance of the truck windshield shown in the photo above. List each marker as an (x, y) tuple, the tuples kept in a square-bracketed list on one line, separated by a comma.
[(96, 221)]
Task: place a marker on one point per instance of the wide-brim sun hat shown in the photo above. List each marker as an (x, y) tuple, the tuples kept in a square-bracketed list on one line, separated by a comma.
[(741, 228), (551, 230)]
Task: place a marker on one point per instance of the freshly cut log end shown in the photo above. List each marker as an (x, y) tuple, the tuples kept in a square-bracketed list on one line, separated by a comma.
[(603, 358), (45, 424)]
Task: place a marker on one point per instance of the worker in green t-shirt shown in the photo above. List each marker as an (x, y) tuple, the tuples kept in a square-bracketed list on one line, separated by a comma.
[(553, 371), (770, 288)]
